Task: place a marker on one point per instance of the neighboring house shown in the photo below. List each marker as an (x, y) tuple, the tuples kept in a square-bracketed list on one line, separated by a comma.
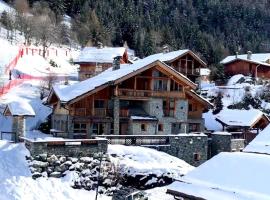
[(147, 97), (185, 62), (240, 175), (255, 65), (244, 124), (94, 60)]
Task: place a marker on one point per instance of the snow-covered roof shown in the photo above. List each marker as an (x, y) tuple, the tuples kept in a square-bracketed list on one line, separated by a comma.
[(259, 58), (243, 118), (241, 176), (68, 93), (19, 108), (170, 56), (99, 55), (261, 143), (5, 7)]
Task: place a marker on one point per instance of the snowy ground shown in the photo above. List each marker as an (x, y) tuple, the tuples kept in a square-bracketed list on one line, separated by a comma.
[(17, 184)]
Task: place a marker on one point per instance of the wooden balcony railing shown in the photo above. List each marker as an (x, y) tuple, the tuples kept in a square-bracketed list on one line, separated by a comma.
[(124, 113), (97, 112), (149, 93)]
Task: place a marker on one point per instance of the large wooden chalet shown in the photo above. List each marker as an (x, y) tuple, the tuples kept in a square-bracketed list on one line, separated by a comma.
[(255, 65), (94, 60), (147, 97)]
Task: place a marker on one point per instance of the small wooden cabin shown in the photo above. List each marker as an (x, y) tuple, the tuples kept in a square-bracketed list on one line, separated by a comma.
[(255, 65), (94, 60)]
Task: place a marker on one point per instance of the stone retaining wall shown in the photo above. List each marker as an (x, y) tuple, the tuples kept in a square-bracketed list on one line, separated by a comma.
[(87, 147)]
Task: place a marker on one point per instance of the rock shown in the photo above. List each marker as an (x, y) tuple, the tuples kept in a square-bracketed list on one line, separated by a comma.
[(30, 158), (86, 172), (43, 157), (56, 175), (44, 174), (52, 159), (36, 175), (37, 157), (39, 164), (62, 159), (61, 168), (56, 163), (79, 166), (73, 160), (50, 170), (68, 163), (71, 168), (86, 159)]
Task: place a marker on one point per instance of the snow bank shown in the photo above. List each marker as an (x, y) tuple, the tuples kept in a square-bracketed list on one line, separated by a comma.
[(140, 160)]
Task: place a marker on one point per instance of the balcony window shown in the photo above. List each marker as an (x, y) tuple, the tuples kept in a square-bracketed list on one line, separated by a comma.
[(160, 85), (98, 128), (79, 128), (99, 104)]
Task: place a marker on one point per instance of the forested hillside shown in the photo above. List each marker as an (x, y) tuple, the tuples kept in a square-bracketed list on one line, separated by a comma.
[(212, 28)]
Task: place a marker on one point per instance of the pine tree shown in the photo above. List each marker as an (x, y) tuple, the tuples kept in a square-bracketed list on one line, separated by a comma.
[(218, 104)]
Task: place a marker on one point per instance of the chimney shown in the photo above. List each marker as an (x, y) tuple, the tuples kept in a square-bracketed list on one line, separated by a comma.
[(165, 49), (100, 45), (236, 54), (116, 62), (249, 54)]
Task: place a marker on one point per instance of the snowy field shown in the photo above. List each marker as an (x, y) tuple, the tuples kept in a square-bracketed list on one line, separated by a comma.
[(17, 183)]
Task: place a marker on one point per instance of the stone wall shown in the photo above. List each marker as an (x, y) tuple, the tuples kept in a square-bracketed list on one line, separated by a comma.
[(221, 142), (191, 148), (67, 147), (237, 144)]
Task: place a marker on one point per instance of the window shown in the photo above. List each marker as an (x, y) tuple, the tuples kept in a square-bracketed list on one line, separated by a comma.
[(99, 103), (197, 156), (160, 85), (190, 107), (193, 127), (98, 128), (143, 127), (160, 127), (168, 107), (79, 128), (175, 86)]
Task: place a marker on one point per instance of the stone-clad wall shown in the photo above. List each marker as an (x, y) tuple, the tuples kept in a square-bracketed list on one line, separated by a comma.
[(186, 146), (68, 147), (220, 143)]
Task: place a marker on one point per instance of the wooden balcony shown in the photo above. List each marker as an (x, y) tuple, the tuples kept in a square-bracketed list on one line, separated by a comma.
[(97, 112), (145, 94)]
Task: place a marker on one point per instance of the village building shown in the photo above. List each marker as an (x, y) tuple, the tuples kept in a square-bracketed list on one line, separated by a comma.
[(144, 98), (254, 65), (245, 124), (94, 60)]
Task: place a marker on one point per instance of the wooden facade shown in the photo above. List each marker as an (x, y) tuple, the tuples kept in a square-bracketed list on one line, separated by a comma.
[(188, 64), (247, 68), (94, 113)]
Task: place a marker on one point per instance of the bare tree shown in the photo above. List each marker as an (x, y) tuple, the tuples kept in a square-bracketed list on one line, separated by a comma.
[(45, 28)]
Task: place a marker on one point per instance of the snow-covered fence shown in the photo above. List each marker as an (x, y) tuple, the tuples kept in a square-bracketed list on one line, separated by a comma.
[(10, 84)]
